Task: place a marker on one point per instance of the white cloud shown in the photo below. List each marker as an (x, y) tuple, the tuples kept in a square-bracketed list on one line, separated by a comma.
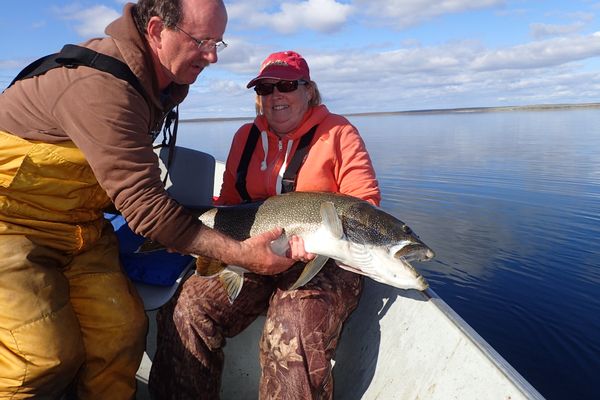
[(541, 53), (406, 13), (91, 21), (455, 74), (227, 86), (396, 74), (290, 17), (539, 31)]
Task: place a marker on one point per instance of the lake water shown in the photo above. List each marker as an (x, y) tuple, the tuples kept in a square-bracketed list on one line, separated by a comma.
[(510, 202)]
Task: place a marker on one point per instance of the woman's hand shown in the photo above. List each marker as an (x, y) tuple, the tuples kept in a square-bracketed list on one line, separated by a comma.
[(297, 251)]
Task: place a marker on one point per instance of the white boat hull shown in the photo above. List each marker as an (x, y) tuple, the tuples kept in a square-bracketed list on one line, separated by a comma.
[(397, 344)]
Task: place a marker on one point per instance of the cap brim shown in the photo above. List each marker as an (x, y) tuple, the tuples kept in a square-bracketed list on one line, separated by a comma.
[(280, 75)]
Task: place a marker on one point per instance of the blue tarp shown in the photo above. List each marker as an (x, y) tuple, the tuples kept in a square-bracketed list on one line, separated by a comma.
[(154, 268)]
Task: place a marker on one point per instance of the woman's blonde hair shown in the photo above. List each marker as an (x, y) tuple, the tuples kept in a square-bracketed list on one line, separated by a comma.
[(314, 101)]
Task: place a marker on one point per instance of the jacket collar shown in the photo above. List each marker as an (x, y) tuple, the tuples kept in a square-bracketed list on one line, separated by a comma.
[(313, 116)]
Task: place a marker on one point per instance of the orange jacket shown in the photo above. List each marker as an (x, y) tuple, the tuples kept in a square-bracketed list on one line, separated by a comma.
[(337, 161)]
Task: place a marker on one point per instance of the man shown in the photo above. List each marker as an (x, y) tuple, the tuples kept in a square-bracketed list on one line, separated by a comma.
[(72, 141)]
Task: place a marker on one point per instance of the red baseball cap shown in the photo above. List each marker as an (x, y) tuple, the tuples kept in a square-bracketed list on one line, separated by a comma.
[(284, 65)]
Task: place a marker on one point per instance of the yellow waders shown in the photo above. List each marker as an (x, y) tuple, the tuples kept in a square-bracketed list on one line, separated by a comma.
[(69, 317)]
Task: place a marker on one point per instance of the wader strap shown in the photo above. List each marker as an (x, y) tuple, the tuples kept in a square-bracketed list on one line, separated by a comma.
[(288, 183), (242, 170), (170, 137), (72, 56), (290, 175)]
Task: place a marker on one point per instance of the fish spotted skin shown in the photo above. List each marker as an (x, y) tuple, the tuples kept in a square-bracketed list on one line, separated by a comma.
[(360, 237)]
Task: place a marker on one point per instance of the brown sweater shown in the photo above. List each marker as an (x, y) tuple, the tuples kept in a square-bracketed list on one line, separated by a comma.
[(109, 121)]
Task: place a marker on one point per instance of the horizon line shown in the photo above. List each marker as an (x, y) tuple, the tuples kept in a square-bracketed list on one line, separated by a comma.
[(534, 107)]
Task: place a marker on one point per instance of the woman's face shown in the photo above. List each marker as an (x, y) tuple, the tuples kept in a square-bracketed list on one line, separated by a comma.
[(285, 111)]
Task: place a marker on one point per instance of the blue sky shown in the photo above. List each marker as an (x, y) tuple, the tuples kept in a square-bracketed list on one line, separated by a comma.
[(365, 55)]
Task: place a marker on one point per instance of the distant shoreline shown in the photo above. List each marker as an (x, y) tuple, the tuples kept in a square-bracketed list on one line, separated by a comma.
[(535, 107)]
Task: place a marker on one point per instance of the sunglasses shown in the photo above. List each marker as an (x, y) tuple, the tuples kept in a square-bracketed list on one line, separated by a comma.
[(264, 89)]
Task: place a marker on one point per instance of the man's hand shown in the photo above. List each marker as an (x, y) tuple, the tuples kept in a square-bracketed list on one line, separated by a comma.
[(260, 258)]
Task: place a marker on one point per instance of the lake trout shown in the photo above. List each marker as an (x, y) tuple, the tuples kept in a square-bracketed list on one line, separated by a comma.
[(360, 238)]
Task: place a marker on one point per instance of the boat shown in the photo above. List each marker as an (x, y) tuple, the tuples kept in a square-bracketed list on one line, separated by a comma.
[(398, 344)]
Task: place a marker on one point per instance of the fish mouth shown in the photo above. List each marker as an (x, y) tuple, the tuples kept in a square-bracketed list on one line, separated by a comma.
[(414, 252), (422, 283)]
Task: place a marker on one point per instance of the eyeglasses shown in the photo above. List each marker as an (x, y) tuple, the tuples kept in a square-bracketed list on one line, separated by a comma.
[(264, 89), (206, 45)]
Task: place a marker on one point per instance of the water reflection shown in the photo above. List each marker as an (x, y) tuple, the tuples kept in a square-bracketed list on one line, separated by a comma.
[(510, 202)]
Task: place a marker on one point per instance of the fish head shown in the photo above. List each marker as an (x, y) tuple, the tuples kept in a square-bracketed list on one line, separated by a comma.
[(390, 265), (401, 269), (396, 268), (385, 247)]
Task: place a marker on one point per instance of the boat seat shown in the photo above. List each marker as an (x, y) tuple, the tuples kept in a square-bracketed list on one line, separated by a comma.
[(191, 176), (158, 274)]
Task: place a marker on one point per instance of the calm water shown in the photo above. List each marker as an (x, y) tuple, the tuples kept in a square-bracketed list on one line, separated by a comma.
[(510, 202)]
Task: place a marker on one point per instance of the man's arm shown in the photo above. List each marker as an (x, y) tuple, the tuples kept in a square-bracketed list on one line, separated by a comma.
[(254, 254)]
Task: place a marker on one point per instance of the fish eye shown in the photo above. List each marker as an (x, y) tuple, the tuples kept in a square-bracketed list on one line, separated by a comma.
[(406, 229)]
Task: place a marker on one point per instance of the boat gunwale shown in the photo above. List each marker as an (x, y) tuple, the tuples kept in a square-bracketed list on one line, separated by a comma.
[(486, 349)]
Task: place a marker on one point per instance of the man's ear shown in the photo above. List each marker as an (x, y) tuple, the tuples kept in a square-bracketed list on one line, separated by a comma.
[(154, 31)]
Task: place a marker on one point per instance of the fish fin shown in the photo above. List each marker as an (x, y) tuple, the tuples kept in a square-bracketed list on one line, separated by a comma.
[(331, 219), (280, 245), (232, 281), (207, 266), (149, 246), (309, 271)]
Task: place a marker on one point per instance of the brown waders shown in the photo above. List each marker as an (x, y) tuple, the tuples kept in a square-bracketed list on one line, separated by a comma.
[(69, 317), (299, 339), (67, 320)]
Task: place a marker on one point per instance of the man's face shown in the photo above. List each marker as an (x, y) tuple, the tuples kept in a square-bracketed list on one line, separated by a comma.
[(179, 54)]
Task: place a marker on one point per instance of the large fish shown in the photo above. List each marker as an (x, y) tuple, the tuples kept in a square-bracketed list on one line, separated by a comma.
[(360, 237)]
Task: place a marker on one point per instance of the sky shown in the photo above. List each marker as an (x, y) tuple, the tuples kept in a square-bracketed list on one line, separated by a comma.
[(365, 55)]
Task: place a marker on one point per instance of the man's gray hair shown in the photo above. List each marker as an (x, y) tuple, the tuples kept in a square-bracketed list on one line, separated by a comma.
[(169, 11)]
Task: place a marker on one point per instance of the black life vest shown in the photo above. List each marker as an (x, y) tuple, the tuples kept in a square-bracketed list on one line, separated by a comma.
[(290, 175), (73, 56)]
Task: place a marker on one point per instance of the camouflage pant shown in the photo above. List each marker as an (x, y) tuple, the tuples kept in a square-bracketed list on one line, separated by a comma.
[(301, 333)]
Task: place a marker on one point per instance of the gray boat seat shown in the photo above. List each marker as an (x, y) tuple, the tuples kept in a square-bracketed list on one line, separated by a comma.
[(190, 181)]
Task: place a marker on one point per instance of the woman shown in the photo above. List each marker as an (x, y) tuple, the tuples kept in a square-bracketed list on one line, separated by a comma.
[(295, 143)]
